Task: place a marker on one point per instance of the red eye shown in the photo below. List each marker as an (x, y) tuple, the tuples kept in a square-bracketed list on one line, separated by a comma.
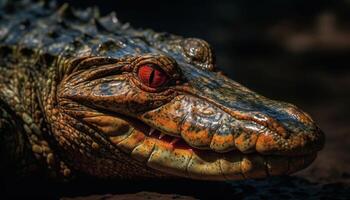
[(151, 76)]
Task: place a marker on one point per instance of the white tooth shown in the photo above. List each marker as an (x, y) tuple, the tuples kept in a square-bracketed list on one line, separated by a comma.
[(174, 140), (151, 131), (161, 136)]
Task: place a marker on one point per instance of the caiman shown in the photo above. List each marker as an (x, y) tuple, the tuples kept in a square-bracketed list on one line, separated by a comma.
[(86, 94)]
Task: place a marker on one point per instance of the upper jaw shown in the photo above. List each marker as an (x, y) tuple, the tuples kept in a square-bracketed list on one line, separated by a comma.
[(208, 127)]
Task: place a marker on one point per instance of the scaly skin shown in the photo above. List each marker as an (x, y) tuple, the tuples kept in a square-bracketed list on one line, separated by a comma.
[(74, 99)]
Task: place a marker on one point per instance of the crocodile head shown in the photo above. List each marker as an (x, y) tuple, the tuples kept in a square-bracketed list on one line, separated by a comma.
[(158, 107)]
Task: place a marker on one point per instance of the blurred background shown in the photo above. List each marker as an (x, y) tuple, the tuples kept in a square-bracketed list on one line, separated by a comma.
[(292, 50)]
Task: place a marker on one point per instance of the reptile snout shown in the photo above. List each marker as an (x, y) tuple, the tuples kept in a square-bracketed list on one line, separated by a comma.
[(225, 116), (303, 136)]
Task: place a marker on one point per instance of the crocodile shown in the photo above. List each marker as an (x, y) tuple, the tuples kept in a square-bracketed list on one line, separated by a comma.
[(87, 95)]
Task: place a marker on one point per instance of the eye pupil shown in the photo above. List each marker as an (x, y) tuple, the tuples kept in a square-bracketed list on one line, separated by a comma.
[(151, 76)]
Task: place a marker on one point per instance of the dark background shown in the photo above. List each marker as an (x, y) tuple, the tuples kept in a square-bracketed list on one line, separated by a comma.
[(292, 50)]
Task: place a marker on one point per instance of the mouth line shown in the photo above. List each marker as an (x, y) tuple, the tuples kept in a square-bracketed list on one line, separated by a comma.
[(179, 143), (250, 165)]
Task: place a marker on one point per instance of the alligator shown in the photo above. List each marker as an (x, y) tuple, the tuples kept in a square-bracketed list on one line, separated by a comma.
[(84, 94)]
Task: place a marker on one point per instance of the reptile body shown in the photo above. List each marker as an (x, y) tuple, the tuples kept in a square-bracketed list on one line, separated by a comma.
[(87, 94)]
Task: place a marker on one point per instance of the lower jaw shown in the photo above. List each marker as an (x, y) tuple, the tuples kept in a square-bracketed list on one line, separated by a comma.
[(230, 166), (184, 161)]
